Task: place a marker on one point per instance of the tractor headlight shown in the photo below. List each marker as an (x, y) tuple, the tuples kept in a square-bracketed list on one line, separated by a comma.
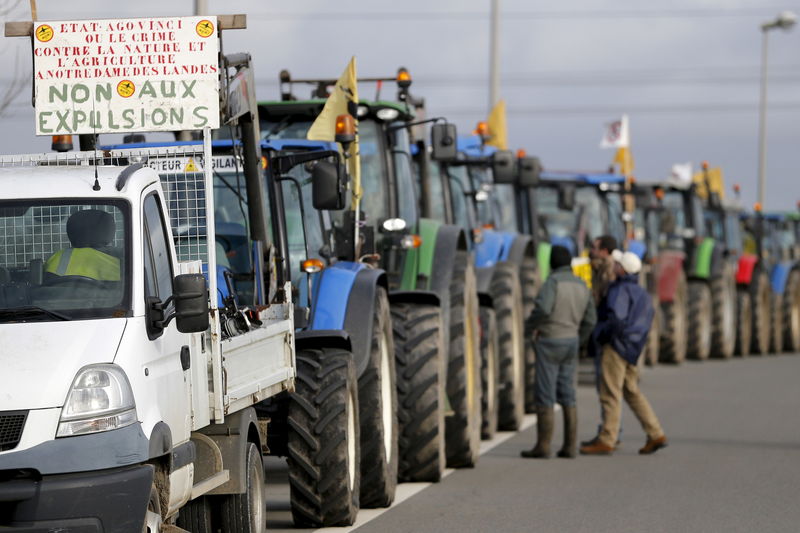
[(100, 399)]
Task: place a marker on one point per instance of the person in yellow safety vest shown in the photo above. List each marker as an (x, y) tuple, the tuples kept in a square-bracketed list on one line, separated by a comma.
[(87, 230)]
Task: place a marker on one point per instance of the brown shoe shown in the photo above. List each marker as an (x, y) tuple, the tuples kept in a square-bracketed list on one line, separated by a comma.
[(653, 445), (598, 448)]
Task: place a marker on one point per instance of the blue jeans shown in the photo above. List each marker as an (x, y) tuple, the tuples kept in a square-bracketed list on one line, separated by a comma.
[(556, 367)]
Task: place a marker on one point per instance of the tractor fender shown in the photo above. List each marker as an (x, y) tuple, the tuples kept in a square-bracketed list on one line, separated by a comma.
[(745, 268), (450, 239), (316, 339), (343, 296), (703, 261), (483, 277), (490, 249), (669, 266), (543, 259), (414, 297), (780, 275), (520, 248)]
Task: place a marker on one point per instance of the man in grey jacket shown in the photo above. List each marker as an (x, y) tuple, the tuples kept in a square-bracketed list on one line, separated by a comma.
[(561, 321)]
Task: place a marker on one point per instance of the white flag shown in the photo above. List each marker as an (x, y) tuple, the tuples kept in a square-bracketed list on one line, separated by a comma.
[(681, 174), (617, 134)]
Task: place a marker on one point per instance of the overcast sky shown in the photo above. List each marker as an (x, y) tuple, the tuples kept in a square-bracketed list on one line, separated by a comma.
[(686, 72)]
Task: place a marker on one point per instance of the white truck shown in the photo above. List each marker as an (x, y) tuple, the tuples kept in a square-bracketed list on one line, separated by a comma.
[(127, 394)]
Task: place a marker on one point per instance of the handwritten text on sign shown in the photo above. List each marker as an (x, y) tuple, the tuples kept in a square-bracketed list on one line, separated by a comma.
[(126, 75)]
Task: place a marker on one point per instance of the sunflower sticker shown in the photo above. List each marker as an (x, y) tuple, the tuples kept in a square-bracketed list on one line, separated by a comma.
[(44, 33), (126, 88), (205, 28)]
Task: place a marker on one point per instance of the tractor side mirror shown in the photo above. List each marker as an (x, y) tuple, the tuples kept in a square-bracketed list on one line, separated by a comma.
[(530, 169), (503, 167), (566, 197), (328, 186), (443, 142), (191, 303)]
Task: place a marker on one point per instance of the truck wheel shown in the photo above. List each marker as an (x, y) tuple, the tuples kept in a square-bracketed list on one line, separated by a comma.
[(247, 512), (419, 360), (507, 301), (791, 313), (673, 335), (490, 373), (776, 324), (744, 322), (723, 315), (377, 393), (152, 518), (195, 516), (463, 425), (529, 280), (760, 297), (652, 347), (698, 345), (324, 447)]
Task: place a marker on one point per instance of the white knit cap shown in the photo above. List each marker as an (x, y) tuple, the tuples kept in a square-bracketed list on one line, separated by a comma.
[(629, 261)]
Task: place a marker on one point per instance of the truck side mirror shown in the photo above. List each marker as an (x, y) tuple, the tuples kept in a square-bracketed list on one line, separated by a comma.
[(530, 168), (443, 142), (328, 186), (191, 303), (503, 166), (566, 197)]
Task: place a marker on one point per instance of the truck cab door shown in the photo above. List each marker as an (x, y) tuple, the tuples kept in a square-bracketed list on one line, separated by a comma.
[(163, 352)]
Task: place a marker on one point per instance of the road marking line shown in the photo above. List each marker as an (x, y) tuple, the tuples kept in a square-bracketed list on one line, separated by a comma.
[(407, 490)]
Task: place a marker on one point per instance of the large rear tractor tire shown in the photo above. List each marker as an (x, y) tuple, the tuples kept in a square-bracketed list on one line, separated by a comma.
[(419, 360), (463, 424), (377, 412), (507, 301), (698, 343), (490, 373), (529, 281), (776, 324), (760, 296), (744, 322), (653, 345), (324, 440), (791, 313), (672, 348), (247, 512), (723, 315)]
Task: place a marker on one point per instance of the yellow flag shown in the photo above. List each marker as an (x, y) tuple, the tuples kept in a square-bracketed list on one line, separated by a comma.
[(624, 159), (711, 177), (346, 90), (497, 126), (324, 127)]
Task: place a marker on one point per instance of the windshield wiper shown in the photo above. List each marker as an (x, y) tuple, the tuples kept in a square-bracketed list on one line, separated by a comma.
[(277, 128), (31, 310)]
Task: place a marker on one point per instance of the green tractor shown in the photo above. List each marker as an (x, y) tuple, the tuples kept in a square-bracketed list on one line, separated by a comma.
[(431, 282)]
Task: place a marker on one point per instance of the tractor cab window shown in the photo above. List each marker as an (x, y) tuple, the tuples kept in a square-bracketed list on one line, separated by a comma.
[(373, 173), (460, 192), (437, 200), (479, 176), (504, 205), (406, 199), (616, 226)]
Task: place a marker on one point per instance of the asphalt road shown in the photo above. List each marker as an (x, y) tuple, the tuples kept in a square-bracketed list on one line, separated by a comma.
[(733, 464)]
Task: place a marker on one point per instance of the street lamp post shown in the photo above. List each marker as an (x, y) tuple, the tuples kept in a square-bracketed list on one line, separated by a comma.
[(785, 21)]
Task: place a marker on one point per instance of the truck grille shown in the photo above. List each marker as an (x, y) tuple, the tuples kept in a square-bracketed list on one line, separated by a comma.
[(11, 424)]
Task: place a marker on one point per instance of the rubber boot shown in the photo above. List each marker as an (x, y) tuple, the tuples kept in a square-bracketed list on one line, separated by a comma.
[(544, 434), (569, 449)]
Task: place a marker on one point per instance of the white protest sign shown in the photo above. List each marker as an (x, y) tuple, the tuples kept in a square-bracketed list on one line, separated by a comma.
[(126, 75)]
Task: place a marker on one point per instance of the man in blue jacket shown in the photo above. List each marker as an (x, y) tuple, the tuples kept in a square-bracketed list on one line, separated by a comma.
[(624, 319)]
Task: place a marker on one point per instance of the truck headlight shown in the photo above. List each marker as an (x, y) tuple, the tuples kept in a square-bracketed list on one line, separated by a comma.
[(100, 399)]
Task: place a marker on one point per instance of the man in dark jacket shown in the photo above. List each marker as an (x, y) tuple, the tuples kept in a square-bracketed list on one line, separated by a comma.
[(561, 321), (624, 319)]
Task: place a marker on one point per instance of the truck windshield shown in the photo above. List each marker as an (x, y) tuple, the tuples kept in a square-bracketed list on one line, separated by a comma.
[(62, 260)]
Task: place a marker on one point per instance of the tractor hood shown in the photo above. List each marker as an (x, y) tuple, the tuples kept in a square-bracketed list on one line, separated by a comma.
[(39, 360)]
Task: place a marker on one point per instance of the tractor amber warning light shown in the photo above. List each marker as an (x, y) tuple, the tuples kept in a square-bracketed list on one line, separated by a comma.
[(411, 241), (705, 165), (482, 129), (659, 194), (521, 153), (345, 129), (61, 143), (403, 78), (737, 188), (757, 207), (312, 266)]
